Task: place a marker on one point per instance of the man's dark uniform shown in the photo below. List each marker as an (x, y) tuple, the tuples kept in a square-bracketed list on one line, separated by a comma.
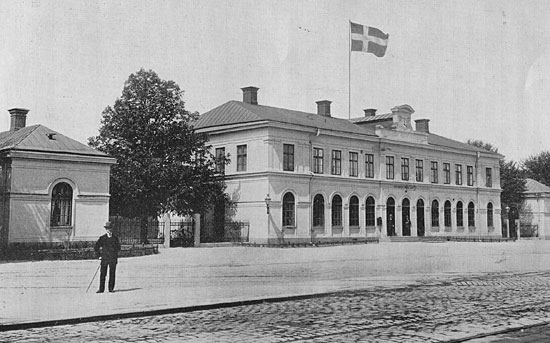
[(107, 247)]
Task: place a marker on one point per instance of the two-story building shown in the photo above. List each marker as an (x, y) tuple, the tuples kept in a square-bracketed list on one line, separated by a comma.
[(310, 177)]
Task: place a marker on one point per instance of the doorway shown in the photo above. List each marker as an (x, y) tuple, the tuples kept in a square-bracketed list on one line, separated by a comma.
[(406, 217), (420, 217), (390, 217)]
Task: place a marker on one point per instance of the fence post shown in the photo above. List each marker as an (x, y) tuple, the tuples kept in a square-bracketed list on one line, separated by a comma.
[(197, 230), (167, 230)]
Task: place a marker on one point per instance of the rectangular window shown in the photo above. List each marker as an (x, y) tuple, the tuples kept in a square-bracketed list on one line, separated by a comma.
[(447, 172), (419, 170), (220, 160), (241, 157), (336, 162), (458, 174), (488, 177), (318, 161), (470, 175), (353, 164), (369, 165), (390, 167), (405, 169), (434, 173), (288, 157)]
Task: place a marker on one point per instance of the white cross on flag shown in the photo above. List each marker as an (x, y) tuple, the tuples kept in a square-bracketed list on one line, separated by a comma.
[(368, 39)]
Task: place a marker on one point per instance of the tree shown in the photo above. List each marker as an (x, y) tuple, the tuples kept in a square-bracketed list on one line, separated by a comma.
[(537, 167), (512, 178), (163, 165)]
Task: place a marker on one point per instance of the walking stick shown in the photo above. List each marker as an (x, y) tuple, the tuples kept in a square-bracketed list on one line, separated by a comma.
[(93, 278)]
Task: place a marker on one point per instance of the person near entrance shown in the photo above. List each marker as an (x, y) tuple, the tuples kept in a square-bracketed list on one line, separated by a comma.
[(107, 248)]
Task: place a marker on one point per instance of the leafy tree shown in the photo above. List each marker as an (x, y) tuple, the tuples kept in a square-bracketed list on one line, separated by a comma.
[(162, 164), (537, 167), (512, 178)]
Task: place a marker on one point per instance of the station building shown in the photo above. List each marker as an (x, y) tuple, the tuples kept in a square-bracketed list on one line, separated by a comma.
[(301, 177)]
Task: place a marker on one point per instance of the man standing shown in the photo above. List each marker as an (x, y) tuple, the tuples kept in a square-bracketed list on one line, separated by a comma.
[(106, 249)]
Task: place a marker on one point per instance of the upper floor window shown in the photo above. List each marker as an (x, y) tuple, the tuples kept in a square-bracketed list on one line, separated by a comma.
[(488, 177), (62, 205), (336, 162), (337, 210), (470, 175), (447, 173), (419, 170), (404, 169), (288, 157), (435, 213), (458, 174), (220, 160), (390, 161), (318, 160), (289, 210), (434, 173), (353, 164), (369, 165), (241, 157), (354, 211)]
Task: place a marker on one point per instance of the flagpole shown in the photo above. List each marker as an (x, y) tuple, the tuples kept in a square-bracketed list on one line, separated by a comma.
[(349, 70)]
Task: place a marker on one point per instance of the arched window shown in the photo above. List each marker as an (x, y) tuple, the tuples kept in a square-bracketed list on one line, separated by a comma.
[(370, 212), (471, 215), (354, 211), (490, 215), (336, 210), (318, 210), (406, 217), (435, 213), (447, 213), (459, 214), (289, 210), (62, 205)]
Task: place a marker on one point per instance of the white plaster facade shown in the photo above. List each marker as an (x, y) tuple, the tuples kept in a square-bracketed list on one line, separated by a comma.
[(33, 161), (265, 130), (537, 205)]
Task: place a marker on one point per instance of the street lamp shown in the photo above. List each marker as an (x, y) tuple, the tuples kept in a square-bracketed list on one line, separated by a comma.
[(267, 201), (507, 221)]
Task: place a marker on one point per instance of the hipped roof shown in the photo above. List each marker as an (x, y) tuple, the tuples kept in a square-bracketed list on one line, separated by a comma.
[(36, 138)]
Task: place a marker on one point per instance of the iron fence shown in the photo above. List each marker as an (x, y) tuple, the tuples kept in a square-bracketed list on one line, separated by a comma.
[(182, 233), (129, 231)]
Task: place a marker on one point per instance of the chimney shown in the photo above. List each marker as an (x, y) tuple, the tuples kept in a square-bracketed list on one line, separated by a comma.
[(422, 125), (18, 118), (250, 95), (370, 112), (323, 108)]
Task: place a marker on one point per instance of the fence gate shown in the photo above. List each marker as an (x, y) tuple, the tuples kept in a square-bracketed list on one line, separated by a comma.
[(182, 233)]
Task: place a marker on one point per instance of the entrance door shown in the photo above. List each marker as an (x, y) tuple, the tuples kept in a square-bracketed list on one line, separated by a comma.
[(420, 217), (390, 217), (406, 217)]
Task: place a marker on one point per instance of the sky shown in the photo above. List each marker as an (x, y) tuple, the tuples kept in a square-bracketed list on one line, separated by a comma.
[(475, 69)]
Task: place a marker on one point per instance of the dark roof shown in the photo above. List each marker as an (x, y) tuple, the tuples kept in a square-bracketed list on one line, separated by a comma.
[(434, 139), (36, 138), (237, 112), (380, 117), (533, 186)]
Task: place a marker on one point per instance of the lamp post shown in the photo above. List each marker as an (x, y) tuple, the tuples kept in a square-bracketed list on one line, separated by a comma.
[(507, 222), (267, 201)]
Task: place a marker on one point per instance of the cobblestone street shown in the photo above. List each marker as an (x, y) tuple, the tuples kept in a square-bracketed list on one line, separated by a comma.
[(441, 311)]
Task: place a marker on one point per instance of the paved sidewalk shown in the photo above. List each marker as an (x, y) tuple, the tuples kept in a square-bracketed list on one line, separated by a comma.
[(32, 293)]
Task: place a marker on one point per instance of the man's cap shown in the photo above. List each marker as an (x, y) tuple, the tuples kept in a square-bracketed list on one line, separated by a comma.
[(108, 225)]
